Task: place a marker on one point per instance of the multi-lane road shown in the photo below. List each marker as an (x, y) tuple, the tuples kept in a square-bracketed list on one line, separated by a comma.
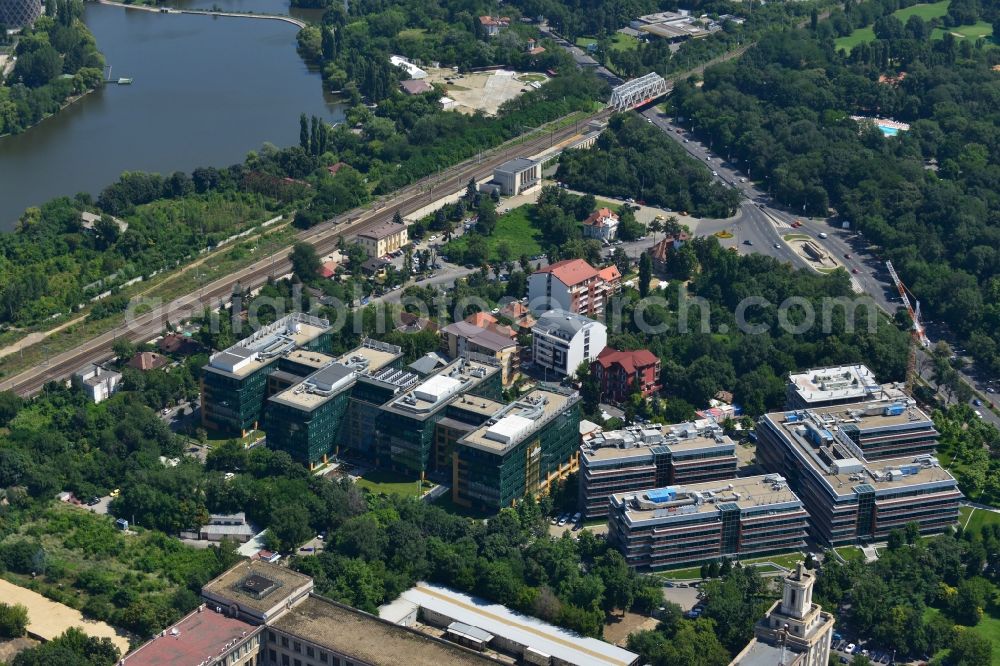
[(764, 226), (324, 237)]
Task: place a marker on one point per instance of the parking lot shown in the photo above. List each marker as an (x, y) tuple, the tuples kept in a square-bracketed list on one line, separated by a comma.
[(844, 650)]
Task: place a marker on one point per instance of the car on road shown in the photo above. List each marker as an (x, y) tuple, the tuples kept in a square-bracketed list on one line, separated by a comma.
[(748, 242), (777, 246), (715, 173), (855, 271), (743, 180), (685, 140), (797, 223), (708, 158), (649, 120), (823, 235), (990, 389), (847, 256), (977, 402)]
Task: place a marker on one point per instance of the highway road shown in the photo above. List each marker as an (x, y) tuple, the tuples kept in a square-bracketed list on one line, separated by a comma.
[(763, 224), (324, 237)]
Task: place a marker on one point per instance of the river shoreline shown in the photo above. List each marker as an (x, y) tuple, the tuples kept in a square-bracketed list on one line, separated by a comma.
[(72, 99), (205, 12)]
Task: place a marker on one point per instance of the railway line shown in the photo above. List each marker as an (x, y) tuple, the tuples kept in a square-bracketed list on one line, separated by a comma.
[(324, 237)]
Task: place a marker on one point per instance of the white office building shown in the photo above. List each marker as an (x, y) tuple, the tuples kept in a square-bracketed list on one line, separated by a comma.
[(562, 340)]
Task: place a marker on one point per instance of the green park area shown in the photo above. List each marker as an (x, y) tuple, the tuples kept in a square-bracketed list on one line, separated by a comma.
[(973, 519), (988, 628), (514, 229), (850, 553), (924, 11), (619, 42), (979, 30), (390, 483)]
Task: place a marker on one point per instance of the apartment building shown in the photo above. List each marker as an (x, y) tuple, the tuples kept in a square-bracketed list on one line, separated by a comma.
[(97, 382), (646, 457), (573, 285), (235, 382), (522, 448), (383, 239), (862, 469), (685, 525), (263, 614), (620, 373), (464, 336), (561, 341)]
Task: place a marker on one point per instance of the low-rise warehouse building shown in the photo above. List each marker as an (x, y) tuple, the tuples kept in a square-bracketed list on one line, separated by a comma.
[(862, 470), (686, 525), (482, 625), (645, 457)]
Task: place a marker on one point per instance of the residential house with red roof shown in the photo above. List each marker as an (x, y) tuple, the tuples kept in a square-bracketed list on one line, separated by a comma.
[(662, 250), (572, 285), (620, 372), (601, 225)]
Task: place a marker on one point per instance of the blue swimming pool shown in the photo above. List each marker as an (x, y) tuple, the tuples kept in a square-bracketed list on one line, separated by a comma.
[(889, 131)]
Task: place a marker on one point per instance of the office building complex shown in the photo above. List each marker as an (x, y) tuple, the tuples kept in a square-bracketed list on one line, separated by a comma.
[(463, 336), (561, 341), (831, 386), (406, 433), (684, 525), (235, 383), (862, 469), (794, 631), (522, 448), (262, 614), (645, 457), (307, 418)]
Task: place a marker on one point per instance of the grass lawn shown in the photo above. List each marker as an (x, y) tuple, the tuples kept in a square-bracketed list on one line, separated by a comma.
[(973, 32), (850, 553), (412, 33), (788, 561), (974, 519), (515, 229), (924, 11), (988, 628), (390, 483), (446, 503)]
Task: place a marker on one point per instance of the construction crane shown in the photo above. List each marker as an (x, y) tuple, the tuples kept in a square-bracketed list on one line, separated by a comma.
[(918, 336)]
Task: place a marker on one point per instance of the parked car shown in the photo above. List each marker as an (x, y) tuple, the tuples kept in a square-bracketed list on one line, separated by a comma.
[(851, 647), (577, 517), (977, 402), (94, 501)]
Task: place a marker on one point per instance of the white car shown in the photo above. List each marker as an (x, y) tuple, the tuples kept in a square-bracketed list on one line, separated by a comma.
[(851, 647), (822, 234), (432, 238)]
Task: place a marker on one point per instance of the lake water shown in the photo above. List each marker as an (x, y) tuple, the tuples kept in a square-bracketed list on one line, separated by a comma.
[(207, 90)]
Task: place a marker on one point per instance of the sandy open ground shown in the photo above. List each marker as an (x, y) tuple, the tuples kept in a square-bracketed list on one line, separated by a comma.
[(480, 91), (47, 619)]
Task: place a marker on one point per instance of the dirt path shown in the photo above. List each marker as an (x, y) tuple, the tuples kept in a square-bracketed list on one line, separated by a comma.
[(47, 619)]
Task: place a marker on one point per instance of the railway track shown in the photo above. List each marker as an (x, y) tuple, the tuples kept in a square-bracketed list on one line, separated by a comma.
[(324, 237)]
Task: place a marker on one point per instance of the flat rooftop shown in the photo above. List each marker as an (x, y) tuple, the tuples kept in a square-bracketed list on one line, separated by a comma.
[(482, 406), (836, 383), (819, 438), (701, 498), (335, 376), (257, 585), (524, 630), (366, 637), (516, 165), (427, 397), (758, 653), (266, 344), (312, 359), (195, 637), (510, 425), (639, 441)]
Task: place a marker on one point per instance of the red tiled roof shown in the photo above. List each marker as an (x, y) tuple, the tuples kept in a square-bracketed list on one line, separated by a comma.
[(489, 322), (662, 250), (598, 217), (629, 360), (334, 168), (570, 271), (147, 361), (610, 274)]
